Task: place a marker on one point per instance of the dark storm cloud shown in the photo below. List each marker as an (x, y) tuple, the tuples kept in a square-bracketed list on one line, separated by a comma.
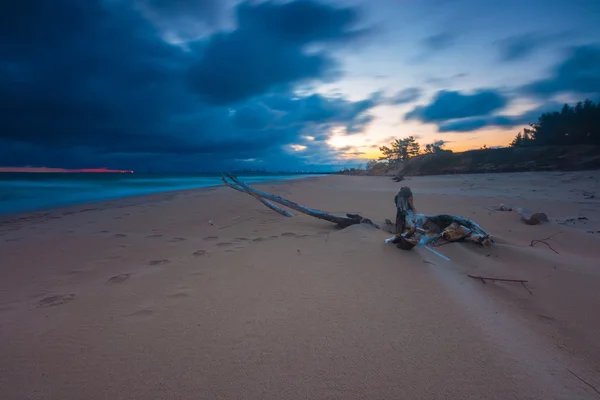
[(91, 82), (268, 49), (448, 105), (578, 73), (204, 10), (180, 20), (319, 109)]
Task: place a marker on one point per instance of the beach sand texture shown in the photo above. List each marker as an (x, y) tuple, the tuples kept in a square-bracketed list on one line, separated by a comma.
[(143, 298)]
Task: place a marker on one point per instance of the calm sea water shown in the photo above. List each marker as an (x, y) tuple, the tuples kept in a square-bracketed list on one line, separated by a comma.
[(21, 192)]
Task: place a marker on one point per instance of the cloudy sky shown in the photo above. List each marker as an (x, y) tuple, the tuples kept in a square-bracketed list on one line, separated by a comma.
[(192, 85)]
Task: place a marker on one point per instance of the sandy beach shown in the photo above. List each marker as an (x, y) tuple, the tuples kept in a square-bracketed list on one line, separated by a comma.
[(207, 294)]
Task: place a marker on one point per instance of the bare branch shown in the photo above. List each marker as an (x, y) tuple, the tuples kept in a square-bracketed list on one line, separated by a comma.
[(267, 203), (484, 278), (342, 222), (535, 241)]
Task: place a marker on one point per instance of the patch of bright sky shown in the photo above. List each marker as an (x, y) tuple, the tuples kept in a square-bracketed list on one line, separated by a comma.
[(398, 59)]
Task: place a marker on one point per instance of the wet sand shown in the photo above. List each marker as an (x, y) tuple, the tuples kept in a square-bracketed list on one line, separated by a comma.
[(207, 294)]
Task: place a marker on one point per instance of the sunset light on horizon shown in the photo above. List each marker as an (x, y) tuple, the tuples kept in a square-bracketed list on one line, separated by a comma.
[(62, 170)]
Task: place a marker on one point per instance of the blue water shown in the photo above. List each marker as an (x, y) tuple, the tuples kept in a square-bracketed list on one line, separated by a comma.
[(21, 192)]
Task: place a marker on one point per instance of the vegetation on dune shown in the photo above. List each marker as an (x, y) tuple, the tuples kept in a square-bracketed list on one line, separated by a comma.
[(565, 139), (579, 125)]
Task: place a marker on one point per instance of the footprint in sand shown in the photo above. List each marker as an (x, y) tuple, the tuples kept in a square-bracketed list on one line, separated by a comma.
[(177, 239), (198, 253), (211, 238), (153, 236), (77, 271), (55, 300), (159, 262), (119, 278), (262, 239), (144, 312), (120, 235), (178, 295)]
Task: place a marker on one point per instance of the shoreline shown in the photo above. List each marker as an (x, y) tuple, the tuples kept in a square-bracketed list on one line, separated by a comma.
[(139, 197)]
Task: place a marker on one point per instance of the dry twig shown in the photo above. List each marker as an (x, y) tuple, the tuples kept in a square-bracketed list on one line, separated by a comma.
[(535, 241), (484, 278)]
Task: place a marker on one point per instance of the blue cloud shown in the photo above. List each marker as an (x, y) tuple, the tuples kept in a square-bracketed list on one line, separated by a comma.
[(407, 95), (267, 50), (519, 47), (579, 73), (498, 121), (102, 88), (448, 105)]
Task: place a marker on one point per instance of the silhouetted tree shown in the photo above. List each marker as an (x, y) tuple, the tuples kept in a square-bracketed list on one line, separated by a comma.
[(435, 147), (571, 126), (401, 149)]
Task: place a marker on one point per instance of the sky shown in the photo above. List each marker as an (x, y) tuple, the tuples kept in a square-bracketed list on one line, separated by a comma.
[(213, 85)]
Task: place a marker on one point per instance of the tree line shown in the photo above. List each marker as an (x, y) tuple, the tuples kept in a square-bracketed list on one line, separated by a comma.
[(576, 125), (573, 125)]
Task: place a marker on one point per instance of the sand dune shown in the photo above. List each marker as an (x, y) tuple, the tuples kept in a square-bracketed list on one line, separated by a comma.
[(143, 298)]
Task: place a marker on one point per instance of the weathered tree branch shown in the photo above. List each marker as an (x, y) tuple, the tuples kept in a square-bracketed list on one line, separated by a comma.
[(342, 222), (246, 189)]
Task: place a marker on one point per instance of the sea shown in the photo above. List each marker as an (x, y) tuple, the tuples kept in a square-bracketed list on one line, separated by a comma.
[(21, 192)]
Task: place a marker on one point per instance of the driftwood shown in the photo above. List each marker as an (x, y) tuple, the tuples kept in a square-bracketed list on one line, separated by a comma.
[(414, 228), (267, 199), (411, 227)]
